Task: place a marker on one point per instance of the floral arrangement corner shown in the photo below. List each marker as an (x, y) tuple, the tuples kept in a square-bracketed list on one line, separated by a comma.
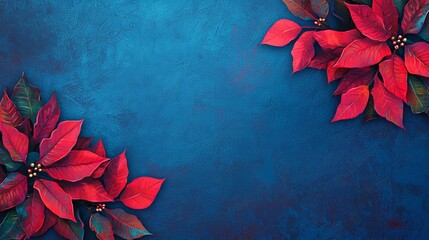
[(380, 55), (50, 177)]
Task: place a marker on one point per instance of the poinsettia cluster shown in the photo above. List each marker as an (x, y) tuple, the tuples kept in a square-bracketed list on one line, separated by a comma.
[(49, 175), (380, 61)]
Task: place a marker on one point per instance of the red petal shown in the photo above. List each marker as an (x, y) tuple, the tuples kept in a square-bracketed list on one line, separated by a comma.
[(15, 142), (281, 33), (415, 13), (55, 198), (116, 175), (320, 7), (26, 127), (354, 78), (31, 214), (386, 10), (386, 104), (70, 230), (395, 76), (77, 165), (417, 59), (98, 173), (141, 192), (363, 53), (46, 120), (101, 226), (60, 143), (334, 73), (90, 190), (50, 220), (82, 143), (368, 23), (303, 51), (126, 225), (13, 190), (352, 103), (9, 114), (300, 8), (331, 39)]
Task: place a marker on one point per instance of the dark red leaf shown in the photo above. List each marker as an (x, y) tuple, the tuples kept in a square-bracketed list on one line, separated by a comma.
[(98, 148), (320, 7), (101, 226), (281, 33), (26, 128), (46, 120), (82, 143), (322, 59), (13, 190), (417, 58), (31, 214), (334, 73), (77, 165), (88, 189), (331, 39), (363, 53), (141, 192), (2, 175), (354, 78), (125, 225), (60, 143), (386, 104), (415, 13), (395, 75), (15, 142), (70, 230), (55, 198), (303, 51), (116, 175), (386, 10), (50, 220), (98, 173), (352, 103), (300, 8), (9, 114), (368, 23)]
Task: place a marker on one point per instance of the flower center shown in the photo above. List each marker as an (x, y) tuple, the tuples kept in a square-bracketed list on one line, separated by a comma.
[(398, 41), (319, 22), (34, 169), (100, 207)]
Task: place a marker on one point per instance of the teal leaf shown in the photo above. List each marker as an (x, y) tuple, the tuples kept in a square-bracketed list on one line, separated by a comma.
[(424, 33), (7, 161), (27, 99), (400, 4), (10, 227), (126, 225), (101, 226)]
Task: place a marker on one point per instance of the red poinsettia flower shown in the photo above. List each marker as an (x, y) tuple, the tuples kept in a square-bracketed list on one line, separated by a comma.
[(384, 52), (46, 167)]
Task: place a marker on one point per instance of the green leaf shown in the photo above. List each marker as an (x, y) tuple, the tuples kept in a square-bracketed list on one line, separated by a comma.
[(7, 161), (69, 229), (424, 33), (27, 99), (10, 227), (370, 113), (418, 95)]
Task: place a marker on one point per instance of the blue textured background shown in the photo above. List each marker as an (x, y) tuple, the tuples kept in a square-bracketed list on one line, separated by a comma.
[(248, 149)]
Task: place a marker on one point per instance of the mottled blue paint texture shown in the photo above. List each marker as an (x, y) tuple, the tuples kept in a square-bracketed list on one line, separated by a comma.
[(248, 149)]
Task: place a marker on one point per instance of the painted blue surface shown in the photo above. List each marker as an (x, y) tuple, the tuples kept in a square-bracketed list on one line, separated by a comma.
[(248, 149)]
